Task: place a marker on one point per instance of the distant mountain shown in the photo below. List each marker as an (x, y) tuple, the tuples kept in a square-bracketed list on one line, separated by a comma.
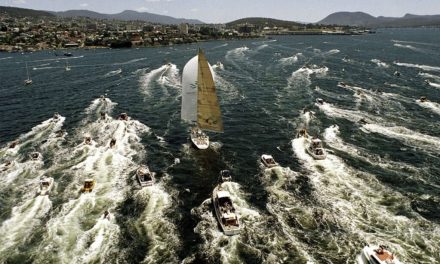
[(363, 19), (128, 15), (263, 22), (23, 12)]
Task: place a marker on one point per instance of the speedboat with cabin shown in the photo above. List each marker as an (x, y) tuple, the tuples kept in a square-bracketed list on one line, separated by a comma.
[(46, 184), (268, 161), (377, 255), (315, 149), (200, 106), (225, 212), (145, 176), (199, 138), (89, 185), (225, 175)]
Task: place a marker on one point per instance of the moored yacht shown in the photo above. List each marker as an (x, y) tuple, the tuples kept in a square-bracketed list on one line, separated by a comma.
[(199, 138), (377, 255), (315, 149), (145, 176), (225, 211), (268, 161), (45, 186)]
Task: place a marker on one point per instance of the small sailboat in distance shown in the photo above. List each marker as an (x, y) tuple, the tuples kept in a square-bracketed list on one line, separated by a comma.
[(200, 105), (28, 81)]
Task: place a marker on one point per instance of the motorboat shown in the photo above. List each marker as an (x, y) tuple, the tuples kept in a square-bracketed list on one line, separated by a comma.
[(225, 175), (89, 185), (35, 155), (145, 176), (199, 138), (56, 116), (302, 133), (46, 184), (88, 140), (396, 73), (320, 101), (60, 133), (6, 166), (268, 161), (315, 149), (225, 211), (123, 116), (377, 255), (13, 144), (112, 142), (423, 99), (68, 54)]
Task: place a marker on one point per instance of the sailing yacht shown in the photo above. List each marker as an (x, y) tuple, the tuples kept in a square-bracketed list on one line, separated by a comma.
[(28, 81), (200, 104)]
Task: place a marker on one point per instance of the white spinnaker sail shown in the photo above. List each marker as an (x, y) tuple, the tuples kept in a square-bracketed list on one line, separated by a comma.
[(189, 90)]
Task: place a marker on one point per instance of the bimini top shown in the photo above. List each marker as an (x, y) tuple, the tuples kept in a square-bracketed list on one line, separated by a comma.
[(222, 194)]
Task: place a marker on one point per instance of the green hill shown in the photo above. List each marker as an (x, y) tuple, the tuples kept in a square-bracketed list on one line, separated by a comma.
[(23, 12)]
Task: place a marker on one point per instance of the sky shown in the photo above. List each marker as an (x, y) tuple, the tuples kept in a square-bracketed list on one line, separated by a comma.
[(222, 11)]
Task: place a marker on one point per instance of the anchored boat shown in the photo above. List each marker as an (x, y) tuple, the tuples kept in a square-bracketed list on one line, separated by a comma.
[(225, 212), (200, 104), (145, 176)]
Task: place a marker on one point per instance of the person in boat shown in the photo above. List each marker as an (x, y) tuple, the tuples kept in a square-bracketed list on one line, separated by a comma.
[(35, 155), (320, 101), (363, 121), (103, 115), (59, 133), (302, 132), (112, 142), (318, 152), (423, 99), (56, 115)]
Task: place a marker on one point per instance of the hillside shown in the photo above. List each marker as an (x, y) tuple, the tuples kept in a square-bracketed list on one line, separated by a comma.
[(23, 12), (363, 19), (263, 22), (128, 15)]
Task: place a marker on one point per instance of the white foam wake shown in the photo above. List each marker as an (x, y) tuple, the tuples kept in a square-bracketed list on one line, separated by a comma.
[(419, 66)]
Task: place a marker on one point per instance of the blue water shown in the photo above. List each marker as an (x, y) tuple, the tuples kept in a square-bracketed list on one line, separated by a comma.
[(380, 183)]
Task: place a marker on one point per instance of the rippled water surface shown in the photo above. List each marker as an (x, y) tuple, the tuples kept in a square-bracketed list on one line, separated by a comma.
[(380, 183)]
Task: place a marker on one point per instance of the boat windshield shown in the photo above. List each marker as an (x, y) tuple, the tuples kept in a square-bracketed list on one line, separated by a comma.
[(231, 222), (147, 177)]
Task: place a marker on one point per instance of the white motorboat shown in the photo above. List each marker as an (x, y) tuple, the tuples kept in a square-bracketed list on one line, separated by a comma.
[(199, 138), (36, 155), (145, 176), (315, 149), (46, 184), (225, 212), (268, 161), (225, 175), (377, 255)]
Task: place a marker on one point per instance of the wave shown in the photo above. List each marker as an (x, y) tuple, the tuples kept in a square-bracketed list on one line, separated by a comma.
[(330, 52), (130, 61), (435, 85), (380, 63), (407, 47), (423, 67), (427, 75), (6, 58), (409, 137), (113, 73), (166, 75), (434, 107), (291, 60)]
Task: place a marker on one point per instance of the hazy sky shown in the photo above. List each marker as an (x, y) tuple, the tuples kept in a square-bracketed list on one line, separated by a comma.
[(216, 11)]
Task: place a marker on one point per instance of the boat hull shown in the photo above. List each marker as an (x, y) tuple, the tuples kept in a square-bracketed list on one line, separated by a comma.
[(317, 157), (200, 143)]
